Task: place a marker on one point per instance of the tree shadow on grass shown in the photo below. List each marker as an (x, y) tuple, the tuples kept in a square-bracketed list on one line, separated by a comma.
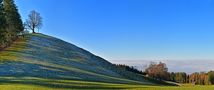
[(17, 72)]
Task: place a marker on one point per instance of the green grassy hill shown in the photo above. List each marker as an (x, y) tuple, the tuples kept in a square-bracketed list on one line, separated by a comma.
[(46, 61)]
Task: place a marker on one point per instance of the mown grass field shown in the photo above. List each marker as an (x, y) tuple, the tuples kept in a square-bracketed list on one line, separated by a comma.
[(29, 83)]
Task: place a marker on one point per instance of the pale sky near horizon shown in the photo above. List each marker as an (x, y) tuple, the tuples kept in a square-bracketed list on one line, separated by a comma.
[(131, 29)]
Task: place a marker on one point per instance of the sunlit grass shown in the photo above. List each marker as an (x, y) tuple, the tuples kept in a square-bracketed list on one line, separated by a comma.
[(12, 52), (32, 83)]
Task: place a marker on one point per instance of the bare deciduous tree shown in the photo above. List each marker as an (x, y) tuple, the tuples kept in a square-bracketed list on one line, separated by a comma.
[(34, 21)]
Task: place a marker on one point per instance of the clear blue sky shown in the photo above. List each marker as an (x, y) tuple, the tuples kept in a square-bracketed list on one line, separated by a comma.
[(131, 29)]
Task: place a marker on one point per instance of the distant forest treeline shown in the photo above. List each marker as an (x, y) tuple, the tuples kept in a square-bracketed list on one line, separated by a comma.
[(10, 23), (198, 78), (159, 71)]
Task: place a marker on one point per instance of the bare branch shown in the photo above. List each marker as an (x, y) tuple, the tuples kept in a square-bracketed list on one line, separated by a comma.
[(34, 21)]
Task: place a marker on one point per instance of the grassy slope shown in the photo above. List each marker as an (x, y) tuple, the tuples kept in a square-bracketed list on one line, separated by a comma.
[(40, 63), (38, 57)]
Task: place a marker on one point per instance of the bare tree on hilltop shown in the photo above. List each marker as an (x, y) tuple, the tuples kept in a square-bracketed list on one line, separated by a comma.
[(34, 21)]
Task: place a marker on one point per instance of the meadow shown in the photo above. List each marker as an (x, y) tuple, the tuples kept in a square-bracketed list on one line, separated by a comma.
[(32, 83), (30, 64)]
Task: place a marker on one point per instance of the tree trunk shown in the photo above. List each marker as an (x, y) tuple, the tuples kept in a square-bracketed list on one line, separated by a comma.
[(34, 31)]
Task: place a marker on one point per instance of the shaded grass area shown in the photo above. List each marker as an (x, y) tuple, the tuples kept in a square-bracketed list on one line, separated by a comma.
[(39, 83), (47, 57), (40, 62)]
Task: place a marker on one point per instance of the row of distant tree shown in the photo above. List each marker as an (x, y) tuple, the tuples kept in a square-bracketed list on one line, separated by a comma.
[(129, 68), (159, 71), (198, 78), (11, 25)]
